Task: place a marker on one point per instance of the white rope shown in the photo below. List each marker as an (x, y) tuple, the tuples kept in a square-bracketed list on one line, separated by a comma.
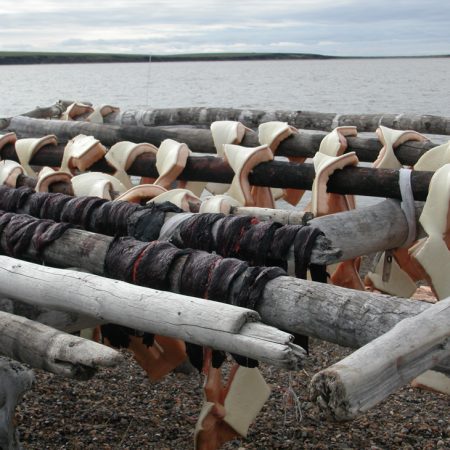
[(407, 205)]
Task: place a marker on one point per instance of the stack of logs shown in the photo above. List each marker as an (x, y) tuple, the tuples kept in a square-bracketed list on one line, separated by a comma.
[(80, 235)]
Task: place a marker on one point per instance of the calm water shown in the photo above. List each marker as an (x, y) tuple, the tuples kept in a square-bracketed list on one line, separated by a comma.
[(358, 86)]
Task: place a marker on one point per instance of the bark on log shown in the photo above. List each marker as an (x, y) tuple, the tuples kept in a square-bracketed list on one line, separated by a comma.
[(312, 120), (366, 377), (342, 316), (15, 380), (303, 144), (207, 323), (350, 180), (45, 348)]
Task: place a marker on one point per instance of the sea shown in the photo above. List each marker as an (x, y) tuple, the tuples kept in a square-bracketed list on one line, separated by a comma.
[(404, 85)]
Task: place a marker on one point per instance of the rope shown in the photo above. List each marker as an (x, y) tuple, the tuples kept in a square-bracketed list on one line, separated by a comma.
[(407, 205)]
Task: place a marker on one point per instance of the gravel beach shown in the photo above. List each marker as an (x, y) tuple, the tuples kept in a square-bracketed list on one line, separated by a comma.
[(121, 409)]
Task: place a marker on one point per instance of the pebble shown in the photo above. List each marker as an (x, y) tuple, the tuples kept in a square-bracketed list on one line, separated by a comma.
[(119, 409)]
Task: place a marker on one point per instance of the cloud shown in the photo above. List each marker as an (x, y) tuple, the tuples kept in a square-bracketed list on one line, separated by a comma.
[(337, 27)]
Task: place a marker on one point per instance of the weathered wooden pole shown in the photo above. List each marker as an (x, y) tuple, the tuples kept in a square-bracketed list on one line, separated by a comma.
[(47, 112), (350, 180), (347, 234), (363, 231), (63, 321), (207, 323), (366, 377), (304, 144), (343, 316), (284, 216), (309, 120), (15, 380), (43, 347)]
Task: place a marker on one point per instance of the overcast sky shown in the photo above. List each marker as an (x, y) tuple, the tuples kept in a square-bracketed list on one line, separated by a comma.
[(333, 27)]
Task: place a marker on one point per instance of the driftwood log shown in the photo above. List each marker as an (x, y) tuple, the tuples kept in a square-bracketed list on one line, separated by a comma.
[(284, 216), (15, 380), (43, 347), (310, 120), (48, 112), (305, 144), (363, 231), (347, 234), (207, 323), (342, 316), (63, 321), (280, 174), (370, 374)]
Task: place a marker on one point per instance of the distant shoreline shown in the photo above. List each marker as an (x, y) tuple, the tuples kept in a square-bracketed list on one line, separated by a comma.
[(11, 58)]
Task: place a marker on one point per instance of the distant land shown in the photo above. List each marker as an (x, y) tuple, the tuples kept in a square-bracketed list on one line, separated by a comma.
[(69, 58)]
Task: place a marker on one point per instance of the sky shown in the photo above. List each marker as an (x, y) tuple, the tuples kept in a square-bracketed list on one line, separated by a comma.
[(330, 27)]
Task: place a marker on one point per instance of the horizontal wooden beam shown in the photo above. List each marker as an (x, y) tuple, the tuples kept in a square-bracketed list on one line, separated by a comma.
[(63, 321), (343, 316), (207, 323), (346, 235), (366, 377), (43, 347), (304, 144), (350, 180), (310, 120), (363, 231)]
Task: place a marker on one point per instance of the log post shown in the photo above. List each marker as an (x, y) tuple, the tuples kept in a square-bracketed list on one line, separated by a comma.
[(366, 377), (304, 144), (311, 120), (15, 380), (207, 323), (43, 347)]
